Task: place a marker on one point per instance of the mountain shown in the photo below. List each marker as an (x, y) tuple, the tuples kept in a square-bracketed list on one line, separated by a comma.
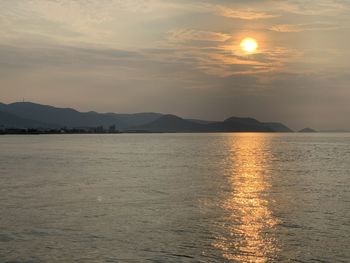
[(200, 121), (237, 124), (67, 117), (277, 127), (32, 115), (59, 116), (307, 130), (9, 120), (172, 123), (135, 118)]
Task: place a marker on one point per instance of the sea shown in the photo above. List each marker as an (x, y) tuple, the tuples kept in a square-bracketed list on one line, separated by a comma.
[(221, 197)]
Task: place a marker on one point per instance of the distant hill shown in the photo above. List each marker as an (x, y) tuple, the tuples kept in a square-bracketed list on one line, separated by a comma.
[(66, 117), (236, 124), (60, 116), (200, 121), (32, 115), (277, 127), (8, 120), (133, 119), (307, 130), (172, 123)]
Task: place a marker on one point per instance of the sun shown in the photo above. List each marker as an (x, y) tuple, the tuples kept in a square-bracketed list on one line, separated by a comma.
[(249, 45)]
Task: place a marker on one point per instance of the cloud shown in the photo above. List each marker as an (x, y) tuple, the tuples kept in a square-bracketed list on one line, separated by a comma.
[(245, 14), (185, 35), (287, 28), (234, 9), (292, 28), (314, 8), (96, 22)]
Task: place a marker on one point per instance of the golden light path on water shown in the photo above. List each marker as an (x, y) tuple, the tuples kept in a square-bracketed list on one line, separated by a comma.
[(249, 233)]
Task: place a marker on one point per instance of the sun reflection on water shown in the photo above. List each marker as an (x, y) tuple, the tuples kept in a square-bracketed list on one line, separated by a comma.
[(248, 231)]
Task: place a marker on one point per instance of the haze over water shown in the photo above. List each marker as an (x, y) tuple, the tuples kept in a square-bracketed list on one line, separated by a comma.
[(250, 197)]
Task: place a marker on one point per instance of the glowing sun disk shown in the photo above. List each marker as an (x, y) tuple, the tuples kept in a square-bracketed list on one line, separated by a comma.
[(249, 45)]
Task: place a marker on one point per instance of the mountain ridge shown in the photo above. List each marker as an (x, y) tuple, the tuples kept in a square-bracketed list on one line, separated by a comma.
[(12, 121), (33, 115), (172, 123)]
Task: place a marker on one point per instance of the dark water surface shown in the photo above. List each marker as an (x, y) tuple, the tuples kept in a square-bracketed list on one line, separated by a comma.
[(175, 198)]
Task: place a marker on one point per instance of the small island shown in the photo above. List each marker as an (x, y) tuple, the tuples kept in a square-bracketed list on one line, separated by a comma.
[(307, 130)]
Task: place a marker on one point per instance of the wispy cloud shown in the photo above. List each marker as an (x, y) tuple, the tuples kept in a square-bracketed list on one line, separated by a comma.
[(312, 7), (293, 28), (239, 13), (185, 35), (98, 22)]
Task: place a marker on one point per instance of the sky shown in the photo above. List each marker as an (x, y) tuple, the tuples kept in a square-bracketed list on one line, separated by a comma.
[(181, 57)]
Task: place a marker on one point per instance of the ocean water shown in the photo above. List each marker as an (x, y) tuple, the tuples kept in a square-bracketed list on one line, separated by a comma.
[(249, 197)]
